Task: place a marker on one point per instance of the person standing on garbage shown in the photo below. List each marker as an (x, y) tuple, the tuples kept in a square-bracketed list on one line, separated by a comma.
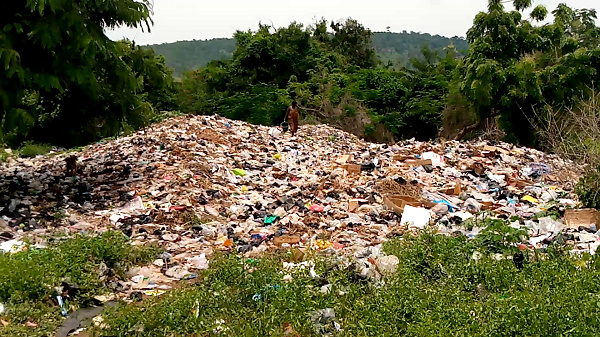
[(293, 115)]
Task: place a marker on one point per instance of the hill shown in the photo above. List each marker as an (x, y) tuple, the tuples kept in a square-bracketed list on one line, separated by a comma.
[(395, 47), (182, 56), (399, 48)]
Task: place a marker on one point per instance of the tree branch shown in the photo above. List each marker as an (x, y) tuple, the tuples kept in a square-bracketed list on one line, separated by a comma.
[(469, 128)]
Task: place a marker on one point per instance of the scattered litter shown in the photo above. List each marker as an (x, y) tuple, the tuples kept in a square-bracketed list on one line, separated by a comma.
[(415, 216), (324, 321), (387, 265), (12, 246), (200, 184), (80, 319)]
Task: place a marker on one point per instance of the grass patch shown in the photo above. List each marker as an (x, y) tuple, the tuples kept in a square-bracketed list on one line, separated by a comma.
[(439, 290), (32, 150), (28, 279)]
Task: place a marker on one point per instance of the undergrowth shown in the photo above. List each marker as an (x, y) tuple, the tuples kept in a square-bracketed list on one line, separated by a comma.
[(439, 290), (28, 279)]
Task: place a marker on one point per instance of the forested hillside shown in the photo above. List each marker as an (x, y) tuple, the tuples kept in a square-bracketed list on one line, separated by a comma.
[(186, 55), (397, 48)]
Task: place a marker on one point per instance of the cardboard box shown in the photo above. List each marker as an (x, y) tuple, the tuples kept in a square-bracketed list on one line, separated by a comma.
[(354, 204), (495, 149), (582, 217), (456, 190), (478, 168), (352, 169), (402, 157), (519, 183), (286, 239), (341, 160), (487, 205), (421, 162), (397, 203)]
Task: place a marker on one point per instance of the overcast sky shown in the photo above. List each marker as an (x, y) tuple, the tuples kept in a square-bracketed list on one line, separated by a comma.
[(176, 20)]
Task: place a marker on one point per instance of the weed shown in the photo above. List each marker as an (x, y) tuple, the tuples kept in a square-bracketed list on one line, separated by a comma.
[(499, 237), (4, 156), (588, 189), (32, 150), (28, 279), (59, 214), (439, 290)]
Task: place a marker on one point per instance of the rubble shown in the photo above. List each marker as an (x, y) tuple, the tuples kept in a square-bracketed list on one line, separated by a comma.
[(197, 184)]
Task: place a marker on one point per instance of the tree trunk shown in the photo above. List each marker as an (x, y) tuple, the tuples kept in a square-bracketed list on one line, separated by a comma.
[(469, 128)]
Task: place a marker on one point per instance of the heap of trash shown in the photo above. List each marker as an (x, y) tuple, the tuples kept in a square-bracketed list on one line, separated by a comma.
[(200, 184)]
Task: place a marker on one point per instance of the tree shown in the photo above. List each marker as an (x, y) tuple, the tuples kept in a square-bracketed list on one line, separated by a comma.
[(514, 67), (56, 55), (266, 57), (354, 41), (489, 77)]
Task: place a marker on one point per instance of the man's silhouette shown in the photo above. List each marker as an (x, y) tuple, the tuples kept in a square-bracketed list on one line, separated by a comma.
[(293, 115)]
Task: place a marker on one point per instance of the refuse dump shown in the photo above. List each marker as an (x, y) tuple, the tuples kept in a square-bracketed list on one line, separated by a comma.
[(200, 184)]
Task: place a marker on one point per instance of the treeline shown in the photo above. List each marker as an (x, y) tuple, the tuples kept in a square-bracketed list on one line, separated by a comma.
[(184, 56), (400, 49), (66, 83), (513, 71), (332, 70), (395, 48)]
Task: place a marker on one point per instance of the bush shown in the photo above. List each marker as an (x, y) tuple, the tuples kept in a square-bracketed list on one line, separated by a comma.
[(32, 150), (573, 133), (4, 156), (499, 237), (438, 290), (588, 189), (28, 278)]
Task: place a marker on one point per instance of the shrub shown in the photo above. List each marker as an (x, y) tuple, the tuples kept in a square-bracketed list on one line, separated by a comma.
[(588, 189), (31, 150)]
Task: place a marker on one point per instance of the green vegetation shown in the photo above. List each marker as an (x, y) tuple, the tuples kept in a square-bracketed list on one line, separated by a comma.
[(400, 49), (439, 290), (184, 56), (511, 70), (60, 72), (31, 150), (514, 67), (397, 49), (28, 279), (375, 85), (334, 74), (499, 237), (588, 189)]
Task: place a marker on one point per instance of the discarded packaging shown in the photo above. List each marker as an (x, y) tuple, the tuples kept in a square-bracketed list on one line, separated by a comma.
[(582, 217), (415, 217)]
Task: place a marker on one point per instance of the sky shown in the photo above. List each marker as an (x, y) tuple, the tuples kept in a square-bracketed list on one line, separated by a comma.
[(177, 20)]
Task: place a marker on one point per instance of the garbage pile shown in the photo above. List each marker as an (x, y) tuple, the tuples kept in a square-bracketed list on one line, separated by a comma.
[(196, 184)]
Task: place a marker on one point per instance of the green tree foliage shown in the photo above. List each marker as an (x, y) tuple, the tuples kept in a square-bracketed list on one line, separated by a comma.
[(272, 58), (63, 73), (268, 63), (393, 48), (409, 102), (332, 70), (398, 49), (514, 67), (353, 40), (184, 56)]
